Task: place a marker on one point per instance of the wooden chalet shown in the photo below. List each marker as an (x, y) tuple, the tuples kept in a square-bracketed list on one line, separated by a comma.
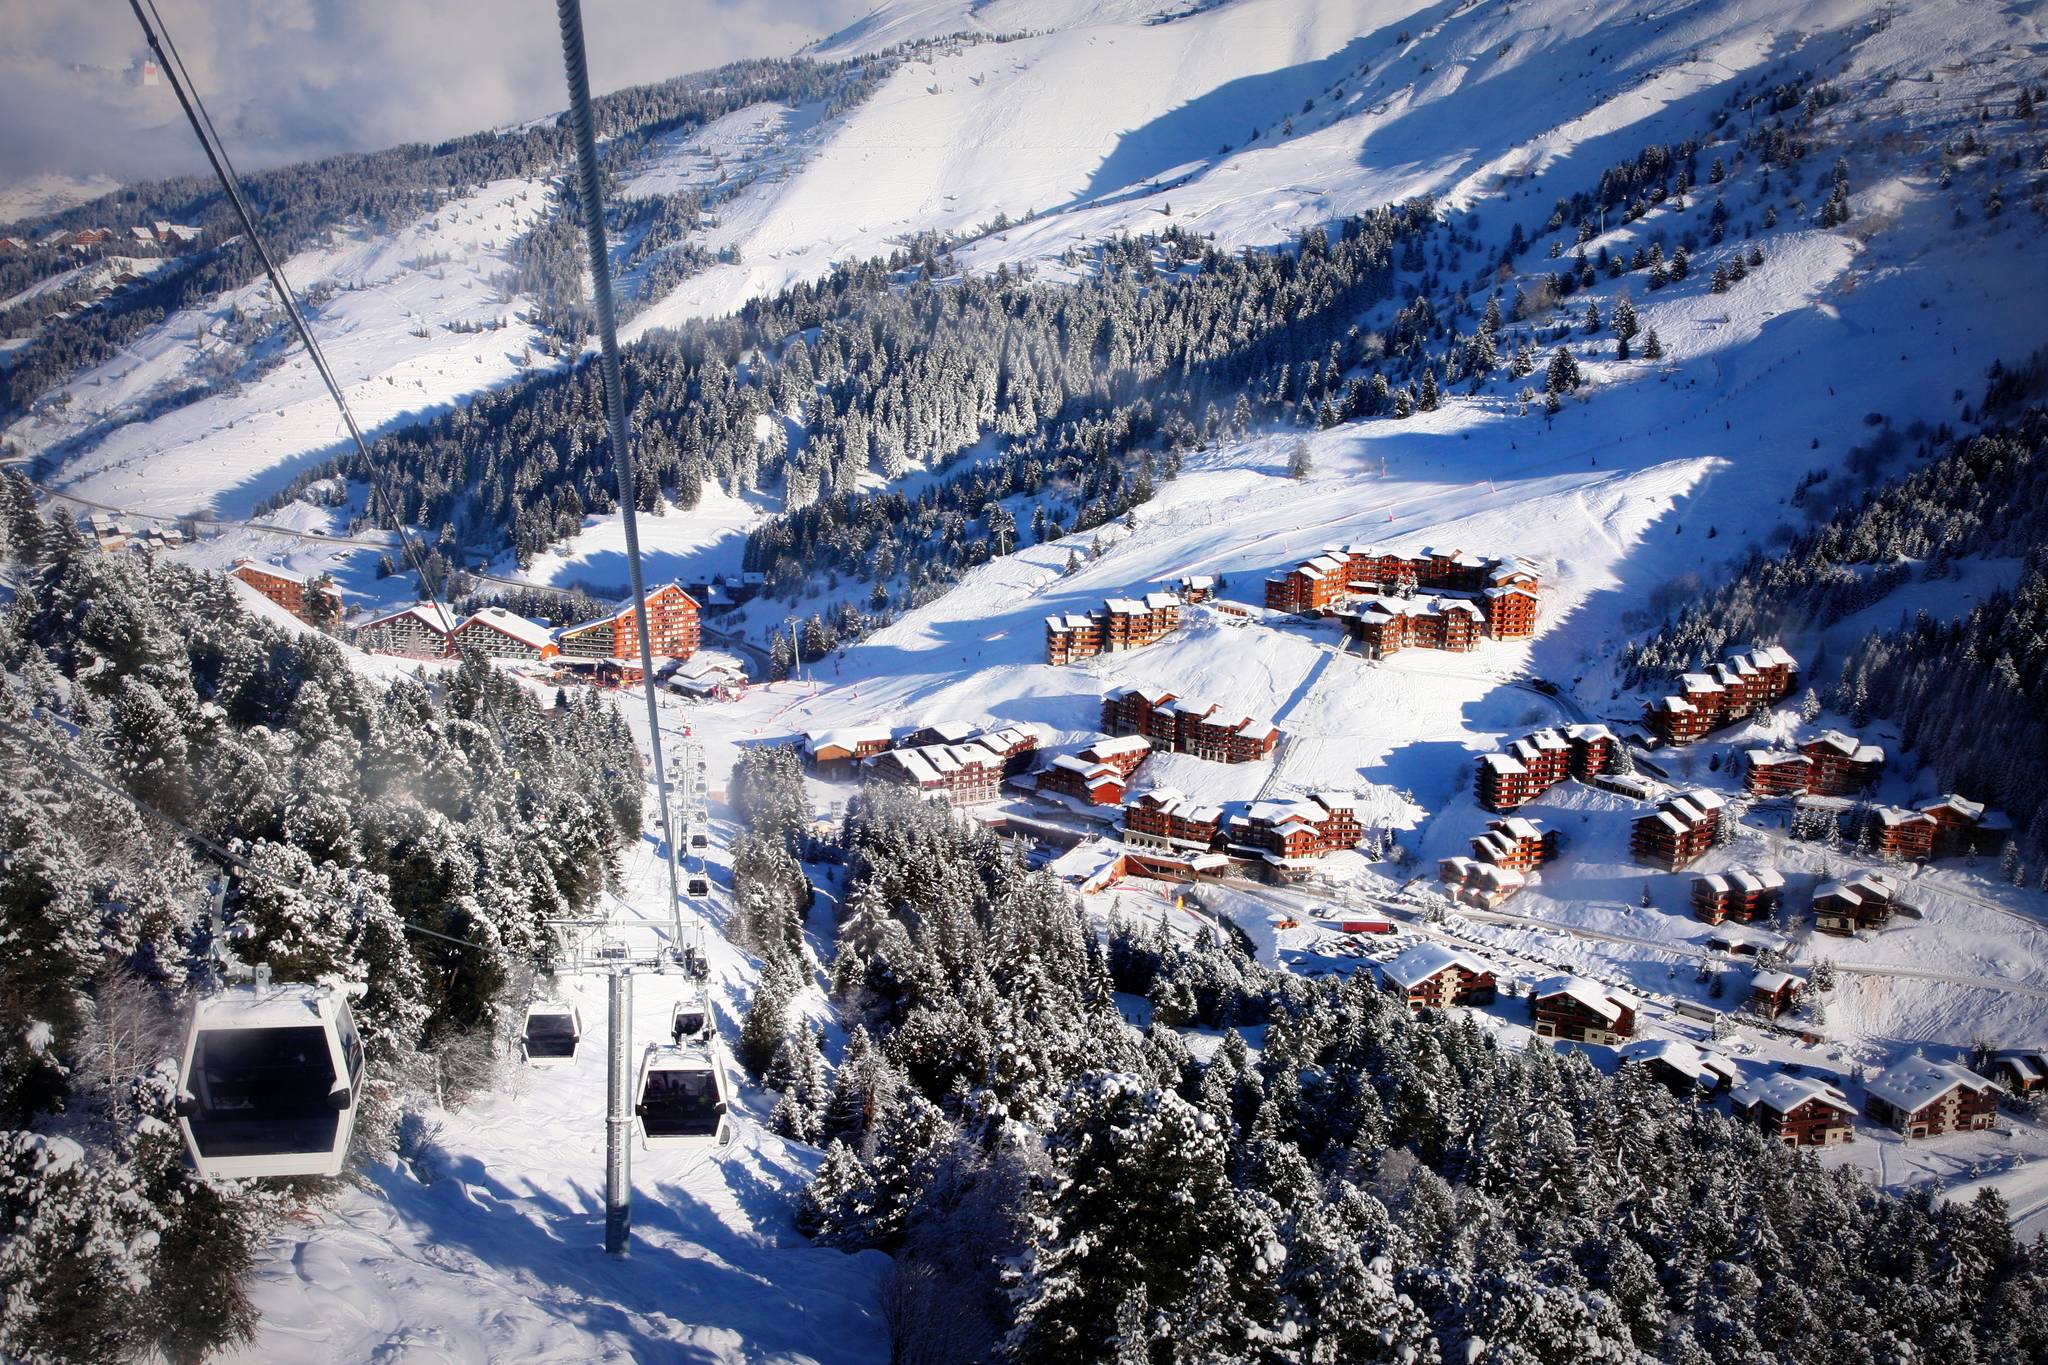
[(1197, 588), (1772, 993), (1681, 1066), (1091, 784), (286, 587), (1740, 685), (420, 631), (1861, 903), (2021, 1071), (1923, 1098), (1288, 835), (1471, 881), (1187, 725), (1164, 819), (1799, 1111), (1679, 830), (1122, 752), (674, 629), (1437, 976), (498, 634), (1541, 759), (1384, 626), (1517, 842), (960, 774), (1122, 623), (1962, 826), (1743, 894), (1575, 1010), (838, 752)]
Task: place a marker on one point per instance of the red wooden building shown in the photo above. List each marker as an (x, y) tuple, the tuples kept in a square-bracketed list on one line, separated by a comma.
[(1923, 1098), (1541, 759), (1436, 976), (1573, 1009), (1471, 881), (1740, 685), (1515, 842), (286, 587), (1799, 1111), (1771, 993), (1861, 903), (674, 629), (1743, 894), (1679, 830)]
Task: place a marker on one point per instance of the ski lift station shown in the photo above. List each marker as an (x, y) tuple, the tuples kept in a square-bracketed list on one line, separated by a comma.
[(270, 1081)]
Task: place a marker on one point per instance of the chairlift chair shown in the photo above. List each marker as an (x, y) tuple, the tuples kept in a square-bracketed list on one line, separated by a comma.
[(553, 1031), (682, 1096), (269, 1082)]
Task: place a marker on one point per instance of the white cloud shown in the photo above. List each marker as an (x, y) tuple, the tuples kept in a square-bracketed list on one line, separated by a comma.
[(290, 79)]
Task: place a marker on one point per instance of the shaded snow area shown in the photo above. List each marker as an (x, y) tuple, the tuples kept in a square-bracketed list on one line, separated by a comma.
[(487, 1242)]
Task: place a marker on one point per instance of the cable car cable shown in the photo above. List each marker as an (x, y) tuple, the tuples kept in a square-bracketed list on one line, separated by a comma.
[(576, 70), (158, 34)]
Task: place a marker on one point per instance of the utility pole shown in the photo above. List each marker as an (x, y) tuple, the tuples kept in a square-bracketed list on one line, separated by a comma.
[(618, 1123)]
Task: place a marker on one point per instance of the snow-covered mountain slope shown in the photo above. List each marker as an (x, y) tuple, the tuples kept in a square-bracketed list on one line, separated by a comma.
[(411, 325)]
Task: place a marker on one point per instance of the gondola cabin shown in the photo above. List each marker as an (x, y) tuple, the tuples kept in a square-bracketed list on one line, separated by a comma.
[(553, 1030), (270, 1082), (691, 1018), (697, 886), (682, 1096)]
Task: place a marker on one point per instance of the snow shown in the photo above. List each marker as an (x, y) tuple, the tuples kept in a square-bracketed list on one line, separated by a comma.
[(39, 196), (486, 1243), (1917, 1082), (1423, 961), (114, 442)]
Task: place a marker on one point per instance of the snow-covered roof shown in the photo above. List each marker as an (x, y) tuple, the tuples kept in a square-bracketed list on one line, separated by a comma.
[(288, 575), (429, 614), (1124, 606), (1587, 734), (1257, 729), (1959, 805), (1781, 1092), (1502, 763), (1700, 683), (1199, 580), (1069, 621), (1772, 758), (1892, 816), (1608, 1004), (505, 623), (1519, 827), (1159, 601), (1917, 1082), (1119, 744), (1696, 1064), (849, 738), (950, 731), (1425, 960), (1770, 983), (1335, 802)]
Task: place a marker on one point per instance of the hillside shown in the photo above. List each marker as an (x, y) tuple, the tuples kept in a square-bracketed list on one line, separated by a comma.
[(975, 314)]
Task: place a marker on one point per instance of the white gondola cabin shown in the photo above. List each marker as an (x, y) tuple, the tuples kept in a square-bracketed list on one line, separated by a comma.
[(553, 1031), (691, 1018), (682, 1096), (270, 1082)]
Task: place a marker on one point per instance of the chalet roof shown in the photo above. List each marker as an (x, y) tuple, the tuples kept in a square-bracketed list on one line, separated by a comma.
[(2029, 1064), (1773, 758), (1781, 1092), (433, 616), (1069, 621), (1198, 580), (1519, 827), (1425, 960), (1335, 802), (1005, 738), (1608, 1004), (1512, 590), (1705, 798), (1847, 746), (1770, 983), (505, 623), (1191, 706), (1154, 697), (1892, 817), (1776, 655), (1918, 1082), (1157, 601), (1111, 746), (848, 737), (950, 731), (1675, 705), (1699, 683), (1694, 1063), (1124, 606), (277, 571), (1502, 763), (1957, 805), (1587, 734), (1257, 729)]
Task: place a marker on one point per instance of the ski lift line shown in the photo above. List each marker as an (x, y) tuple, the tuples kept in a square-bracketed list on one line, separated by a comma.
[(158, 35), (569, 14), (233, 860)]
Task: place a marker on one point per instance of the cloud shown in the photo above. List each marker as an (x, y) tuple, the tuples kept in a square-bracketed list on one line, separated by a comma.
[(290, 79)]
